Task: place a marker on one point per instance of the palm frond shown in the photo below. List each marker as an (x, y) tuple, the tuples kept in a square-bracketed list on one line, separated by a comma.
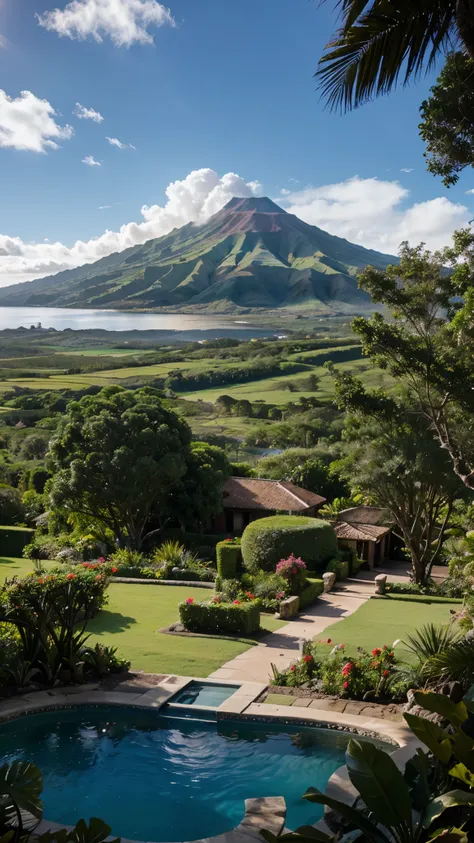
[(374, 46), (430, 640)]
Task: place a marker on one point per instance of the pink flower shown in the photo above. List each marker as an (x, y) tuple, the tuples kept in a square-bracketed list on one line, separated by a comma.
[(346, 685), (236, 602), (101, 558), (189, 600)]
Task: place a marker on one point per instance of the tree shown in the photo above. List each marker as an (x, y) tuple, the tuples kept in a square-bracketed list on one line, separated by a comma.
[(447, 126), (305, 467), (118, 456), (11, 507), (198, 495), (380, 40), (428, 346), (391, 456)]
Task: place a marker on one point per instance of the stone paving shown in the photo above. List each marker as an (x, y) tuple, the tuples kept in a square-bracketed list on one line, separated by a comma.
[(282, 647)]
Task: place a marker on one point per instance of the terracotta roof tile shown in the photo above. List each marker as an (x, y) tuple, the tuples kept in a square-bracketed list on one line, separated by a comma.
[(359, 532), (253, 493)]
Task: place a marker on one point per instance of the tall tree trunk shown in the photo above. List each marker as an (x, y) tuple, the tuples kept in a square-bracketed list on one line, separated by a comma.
[(465, 24)]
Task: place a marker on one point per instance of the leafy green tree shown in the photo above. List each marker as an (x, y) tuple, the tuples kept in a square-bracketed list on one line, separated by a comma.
[(198, 496), (11, 507), (447, 125), (304, 467), (427, 345), (379, 41), (118, 456), (392, 458)]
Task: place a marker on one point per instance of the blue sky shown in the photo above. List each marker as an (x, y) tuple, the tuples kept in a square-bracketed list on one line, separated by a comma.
[(229, 87)]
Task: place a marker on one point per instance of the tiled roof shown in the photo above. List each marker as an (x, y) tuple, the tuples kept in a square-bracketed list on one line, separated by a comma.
[(366, 515), (253, 493), (359, 532)]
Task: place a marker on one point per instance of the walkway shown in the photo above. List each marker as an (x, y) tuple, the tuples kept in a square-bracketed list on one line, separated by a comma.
[(282, 647)]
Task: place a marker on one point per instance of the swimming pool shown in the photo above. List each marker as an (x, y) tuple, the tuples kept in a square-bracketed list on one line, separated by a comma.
[(159, 779)]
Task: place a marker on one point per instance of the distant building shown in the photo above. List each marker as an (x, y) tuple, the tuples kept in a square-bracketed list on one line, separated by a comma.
[(368, 531), (247, 498)]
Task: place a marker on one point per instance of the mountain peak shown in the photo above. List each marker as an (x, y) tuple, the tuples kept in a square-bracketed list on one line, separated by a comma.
[(260, 204)]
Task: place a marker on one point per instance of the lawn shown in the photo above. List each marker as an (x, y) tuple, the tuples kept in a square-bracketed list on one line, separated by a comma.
[(379, 622), (132, 617)]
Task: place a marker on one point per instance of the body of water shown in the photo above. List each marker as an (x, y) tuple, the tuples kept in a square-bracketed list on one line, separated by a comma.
[(190, 326), (156, 778)]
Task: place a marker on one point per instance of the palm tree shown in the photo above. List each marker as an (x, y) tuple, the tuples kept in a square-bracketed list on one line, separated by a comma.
[(379, 40)]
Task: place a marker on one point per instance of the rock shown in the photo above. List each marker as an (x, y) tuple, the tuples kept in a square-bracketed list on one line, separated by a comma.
[(380, 583), (329, 579), (289, 608)]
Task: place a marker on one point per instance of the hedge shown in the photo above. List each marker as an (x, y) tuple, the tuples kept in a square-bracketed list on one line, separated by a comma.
[(357, 565), (340, 567), (220, 618), (268, 540), (310, 593), (14, 539), (228, 557)]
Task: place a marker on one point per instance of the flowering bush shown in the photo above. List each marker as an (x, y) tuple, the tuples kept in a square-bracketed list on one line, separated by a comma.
[(293, 570), (365, 676), (50, 612)]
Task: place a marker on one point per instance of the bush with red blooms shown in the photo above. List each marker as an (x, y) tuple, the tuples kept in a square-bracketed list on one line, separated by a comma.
[(49, 613), (293, 570), (365, 676)]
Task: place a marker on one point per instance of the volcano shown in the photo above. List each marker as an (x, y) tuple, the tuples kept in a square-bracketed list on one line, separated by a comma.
[(250, 254)]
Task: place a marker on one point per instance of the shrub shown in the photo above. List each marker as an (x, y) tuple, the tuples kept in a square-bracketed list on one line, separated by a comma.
[(361, 677), (293, 570), (220, 618), (168, 555), (340, 567), (268, 540), (14, 539), (125, 558), (228, 557), (312, 590)]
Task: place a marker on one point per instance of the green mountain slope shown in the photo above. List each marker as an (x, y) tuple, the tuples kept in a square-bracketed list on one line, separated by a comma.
[(251, 254)]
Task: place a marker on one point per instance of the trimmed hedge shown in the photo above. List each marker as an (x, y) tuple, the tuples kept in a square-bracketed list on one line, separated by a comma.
[(268, 540), (310, 593), (228, 558), (340, 567), (14, 539), (220, 618)]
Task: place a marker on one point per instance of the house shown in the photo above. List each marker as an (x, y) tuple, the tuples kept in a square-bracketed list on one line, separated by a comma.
[(368, 531), (247, 498)]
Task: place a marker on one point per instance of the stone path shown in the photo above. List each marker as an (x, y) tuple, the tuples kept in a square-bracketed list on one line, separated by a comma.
[(282, 647)]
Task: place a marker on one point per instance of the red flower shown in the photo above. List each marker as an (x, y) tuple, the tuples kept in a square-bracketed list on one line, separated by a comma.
[(346, 669), (250, 595), (98, 577), (346, 685), (40, 580), (114, 570), (385, 647), (307, 659), (293, 667), (236, 602), (85, 564), (377, 651), (329, 640), (386, 672), (189, 600), (70, 576), (293, 571), (342, 646)]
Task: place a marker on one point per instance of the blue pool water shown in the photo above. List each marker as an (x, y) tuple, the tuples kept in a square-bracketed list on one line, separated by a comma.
[(204, 693), (161, 779)]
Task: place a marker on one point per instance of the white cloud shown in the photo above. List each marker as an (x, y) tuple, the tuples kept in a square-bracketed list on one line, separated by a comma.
[(27, 122), (373, 213), (193, 199), (471, 191), (91, 162), (103, 207), (285, 192), (406, 170), (87, 113), (125, 22), (117, 142)]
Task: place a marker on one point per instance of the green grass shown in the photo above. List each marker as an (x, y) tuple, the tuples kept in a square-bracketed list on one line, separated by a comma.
[(131, 621), (379, 622)]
